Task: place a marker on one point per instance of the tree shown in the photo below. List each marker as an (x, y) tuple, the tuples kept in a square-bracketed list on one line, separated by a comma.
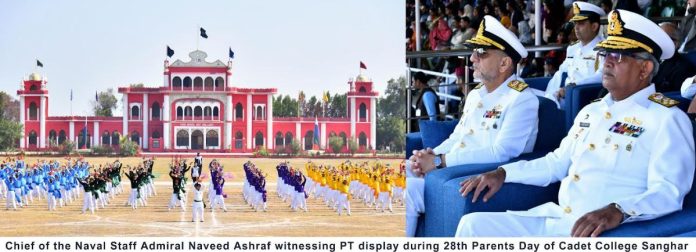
[(352, 146), (105, 105), (128, 147), (9, 107), (336, 144), (337, 106), (10, 132), (390, 116)]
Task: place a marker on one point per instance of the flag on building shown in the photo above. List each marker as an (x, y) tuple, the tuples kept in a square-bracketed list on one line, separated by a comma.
[(231, 53), (203, 34), (39, 64), (170, 52), (96, 96), (316, 131), (362, 65)]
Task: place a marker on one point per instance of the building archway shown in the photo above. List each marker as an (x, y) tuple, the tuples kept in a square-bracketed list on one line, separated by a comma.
[(279, 139), (309, 140), (176, 82), (211, 139), (106, 138), (182, 138), (32, 138), (363, 111), (288, 138), (155, 110), (362, 140), (219, 83), (115, 138), (238, 140), (197, 140), (198, 83), (209, 83), (61, 137), (187, 82), (258, 139), (238, 111)]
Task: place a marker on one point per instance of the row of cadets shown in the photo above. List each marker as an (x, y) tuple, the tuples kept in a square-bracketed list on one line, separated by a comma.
[(254, 190), (218, 183), (400, 184), (178, 174), (136, 176), (149, 184)]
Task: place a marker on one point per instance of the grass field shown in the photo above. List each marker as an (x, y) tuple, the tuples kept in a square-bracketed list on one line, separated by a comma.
[(240, 220)]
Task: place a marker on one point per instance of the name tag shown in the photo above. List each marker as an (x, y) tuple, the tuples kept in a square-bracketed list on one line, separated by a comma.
[(584, 124)]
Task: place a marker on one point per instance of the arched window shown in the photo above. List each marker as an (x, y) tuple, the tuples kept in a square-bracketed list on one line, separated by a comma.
[(106, 138), (238, 140), (32, 138), (207, 111), (176, 82), (216, 112), (343, 135), (155, 134), (259, 139), (52, 137), (279, 139), (61, 137), (179, 112), (198, 111), (259, 113), (135, 112), (182, 138), (187, 82), (288, 138), (135, 137), (309, 140), (188, 111), (363, 111), (156, 110), (362, 90), (209, 83), (238, 111), (115, 138), (211, 138), (362, 140), (33, 111), (33, 87), (198, 83), (219, 83)]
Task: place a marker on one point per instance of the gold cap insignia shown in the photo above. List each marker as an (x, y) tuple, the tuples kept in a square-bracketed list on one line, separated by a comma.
[(615, 24), (576, 9)]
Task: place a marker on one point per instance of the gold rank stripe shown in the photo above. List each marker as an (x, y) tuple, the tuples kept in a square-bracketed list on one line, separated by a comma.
[(615, 42), (483, 40)]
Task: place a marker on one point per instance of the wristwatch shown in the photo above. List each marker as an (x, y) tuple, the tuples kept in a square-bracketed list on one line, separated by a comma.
[(438, 161), (625, 215)]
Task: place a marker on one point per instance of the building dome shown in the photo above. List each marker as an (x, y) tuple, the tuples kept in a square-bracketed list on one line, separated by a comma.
[(35, 77), (362, 78)]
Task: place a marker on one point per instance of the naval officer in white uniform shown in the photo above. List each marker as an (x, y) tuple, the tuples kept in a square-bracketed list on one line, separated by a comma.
[(581, 63), (499, 120), (628, 157)]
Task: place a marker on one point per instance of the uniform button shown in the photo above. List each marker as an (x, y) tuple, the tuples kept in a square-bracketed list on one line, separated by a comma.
[(591, 147), (471, 131), (479, 105), (576, 178), (567, 210), (462, 145), (607, 115), (616, 146)]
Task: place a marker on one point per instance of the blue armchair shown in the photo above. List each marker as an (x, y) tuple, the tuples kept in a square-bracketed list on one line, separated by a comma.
[(576, 98), (520, 197), (548, 138)]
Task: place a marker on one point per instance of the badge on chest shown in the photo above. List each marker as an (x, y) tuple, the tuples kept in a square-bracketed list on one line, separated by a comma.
[(627, 129)]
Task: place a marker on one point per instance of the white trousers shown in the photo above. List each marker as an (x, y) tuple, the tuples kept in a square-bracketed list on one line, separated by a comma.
[(197, 211), (505, 224), (415, 204), (218, 200), (174, 201)]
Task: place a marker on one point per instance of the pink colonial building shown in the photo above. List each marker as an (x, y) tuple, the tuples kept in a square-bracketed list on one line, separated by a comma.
[(195, 109)]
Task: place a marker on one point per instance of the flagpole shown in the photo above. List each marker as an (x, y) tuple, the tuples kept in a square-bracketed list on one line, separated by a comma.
[(198, 38)]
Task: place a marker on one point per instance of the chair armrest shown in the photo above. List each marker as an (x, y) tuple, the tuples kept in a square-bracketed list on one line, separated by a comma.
[(414, 141), (669, 225)]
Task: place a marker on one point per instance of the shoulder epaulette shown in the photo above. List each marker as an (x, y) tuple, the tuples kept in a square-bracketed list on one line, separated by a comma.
[(478, 86), (518, 85), (596, 100), (663, 100), (572, 44)]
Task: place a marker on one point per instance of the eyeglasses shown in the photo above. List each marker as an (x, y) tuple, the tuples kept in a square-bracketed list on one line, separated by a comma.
[(617, 56), (479, 53)]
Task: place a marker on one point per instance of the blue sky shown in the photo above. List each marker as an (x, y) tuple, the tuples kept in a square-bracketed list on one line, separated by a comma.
[(90, 46)]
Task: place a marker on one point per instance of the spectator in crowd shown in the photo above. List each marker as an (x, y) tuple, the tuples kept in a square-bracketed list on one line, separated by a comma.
[(426, 102), (550, 66), (553, 17), (463, 32), (581, 64), (675, 70), (629, 5), (504, 16), (440, 35), (688, 29)]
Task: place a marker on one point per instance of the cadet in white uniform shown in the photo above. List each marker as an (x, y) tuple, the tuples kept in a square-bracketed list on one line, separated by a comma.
[(197, 203), (634, 147), (581, 63), (500, 116)]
